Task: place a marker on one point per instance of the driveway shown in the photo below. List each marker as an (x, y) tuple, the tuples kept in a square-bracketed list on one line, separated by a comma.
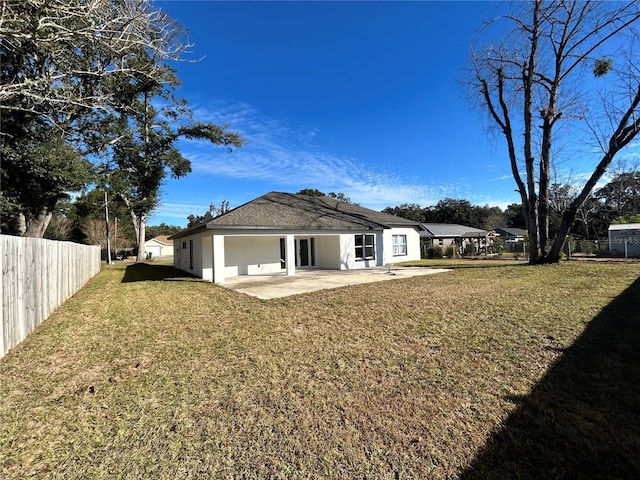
[(304, 281)]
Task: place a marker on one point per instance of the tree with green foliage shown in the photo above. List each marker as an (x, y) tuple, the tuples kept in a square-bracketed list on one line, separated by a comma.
[(314, 192), (311, 192), (67, 69), (213, 212), (341, 197), (142, 148), (535, 88), (38, 169), (514, 216), (620, 197), (450, 210), (410, 211), (162, 229), (628, 219)]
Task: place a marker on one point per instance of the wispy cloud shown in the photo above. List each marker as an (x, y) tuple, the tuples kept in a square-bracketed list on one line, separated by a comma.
[(501, 178), (292, 158), (178, 210)]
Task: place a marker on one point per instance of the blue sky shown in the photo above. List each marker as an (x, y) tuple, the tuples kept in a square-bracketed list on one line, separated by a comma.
[(363, 98)]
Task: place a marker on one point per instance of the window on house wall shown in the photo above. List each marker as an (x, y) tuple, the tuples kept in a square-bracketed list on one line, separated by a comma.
[(184, 245), (441, 242), (283, 253), (312, 246), (365, 246), (191, 254), (399, 244)]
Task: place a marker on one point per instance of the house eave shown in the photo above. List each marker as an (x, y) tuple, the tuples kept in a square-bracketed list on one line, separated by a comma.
[(291, 227), (189, 231)]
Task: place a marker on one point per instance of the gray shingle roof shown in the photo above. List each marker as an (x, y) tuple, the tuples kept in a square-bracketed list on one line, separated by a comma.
[(163, 239), (278, 210), (450, 230), (510, 232)]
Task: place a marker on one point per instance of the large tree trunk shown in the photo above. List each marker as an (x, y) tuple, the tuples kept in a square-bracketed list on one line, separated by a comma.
[(16, 225), (37, 225), (141, 232), (136, 221), (29, 225)]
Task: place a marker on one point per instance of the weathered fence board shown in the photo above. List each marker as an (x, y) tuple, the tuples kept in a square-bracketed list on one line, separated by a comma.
[(38, 276)]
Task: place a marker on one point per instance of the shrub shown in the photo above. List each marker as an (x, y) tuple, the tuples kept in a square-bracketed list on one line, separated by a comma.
[(451, 251), (469, 250)]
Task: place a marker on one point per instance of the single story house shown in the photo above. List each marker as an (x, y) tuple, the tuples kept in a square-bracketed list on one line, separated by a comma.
[(445, 234), (512, 238), (281, 232), (160, 246), (508, 234), (624, 240)]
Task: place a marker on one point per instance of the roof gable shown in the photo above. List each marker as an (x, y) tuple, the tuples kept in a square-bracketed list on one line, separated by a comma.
[(510, 231), (162, 239)]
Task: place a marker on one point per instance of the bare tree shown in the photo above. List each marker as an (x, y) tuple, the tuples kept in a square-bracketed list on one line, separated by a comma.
[(94, 232), (542, 86), (60, 228), (59, 53)]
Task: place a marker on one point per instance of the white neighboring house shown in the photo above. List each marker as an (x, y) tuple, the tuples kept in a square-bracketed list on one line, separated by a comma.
[(624, 240), (159, 247), (282, 232)]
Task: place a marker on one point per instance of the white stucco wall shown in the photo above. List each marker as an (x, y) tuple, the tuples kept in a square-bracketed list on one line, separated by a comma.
[(413, 245), (252, 255), (348, 252), (259, 252), (182, 259), (328, 252)]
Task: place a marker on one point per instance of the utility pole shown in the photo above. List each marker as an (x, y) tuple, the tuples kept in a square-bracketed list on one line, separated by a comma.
[(106, 221)]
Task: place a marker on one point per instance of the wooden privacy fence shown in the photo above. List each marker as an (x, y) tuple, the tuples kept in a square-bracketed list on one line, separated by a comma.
[(38, 275)]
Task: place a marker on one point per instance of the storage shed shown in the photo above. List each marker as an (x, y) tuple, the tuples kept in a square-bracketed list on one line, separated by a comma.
[(624, 240)]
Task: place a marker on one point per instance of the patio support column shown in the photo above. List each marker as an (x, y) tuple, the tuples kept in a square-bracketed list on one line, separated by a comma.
[(207, 259), (218, 259), (290, 251)]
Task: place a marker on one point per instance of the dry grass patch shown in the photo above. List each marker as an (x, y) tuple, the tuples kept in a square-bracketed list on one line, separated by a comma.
[(412, 378)]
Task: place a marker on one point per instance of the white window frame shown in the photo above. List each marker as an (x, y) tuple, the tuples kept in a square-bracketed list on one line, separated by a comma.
[(365, 247), (399, 245)]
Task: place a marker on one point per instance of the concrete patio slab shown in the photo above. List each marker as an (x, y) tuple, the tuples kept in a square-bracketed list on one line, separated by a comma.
[(276, 286)]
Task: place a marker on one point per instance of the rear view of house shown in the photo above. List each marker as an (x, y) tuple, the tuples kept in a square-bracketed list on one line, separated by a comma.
[(281, 232)]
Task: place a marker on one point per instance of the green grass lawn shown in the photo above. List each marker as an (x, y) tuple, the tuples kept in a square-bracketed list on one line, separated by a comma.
[(492, 370)]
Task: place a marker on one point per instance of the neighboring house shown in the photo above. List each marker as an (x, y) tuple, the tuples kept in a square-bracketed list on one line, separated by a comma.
[(160, 246), (281, 232), (624, 240), (445, 234), (512, 238)]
